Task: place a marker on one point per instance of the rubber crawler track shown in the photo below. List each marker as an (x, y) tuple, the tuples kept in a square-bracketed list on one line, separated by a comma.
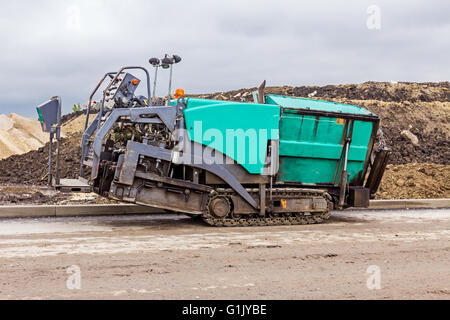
[(271, 220)]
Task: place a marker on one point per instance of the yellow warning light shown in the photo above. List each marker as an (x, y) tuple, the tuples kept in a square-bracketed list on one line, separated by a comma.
[(134, 81), (179, 93), (339, 121)]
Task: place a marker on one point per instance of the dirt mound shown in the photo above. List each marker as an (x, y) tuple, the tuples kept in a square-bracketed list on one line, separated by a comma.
[(415, 181), (67, 117), (429, 116), (19, 135), (429, 121), (382, 91), (23, 195), (385, 91), (31, 168), (433, 148)]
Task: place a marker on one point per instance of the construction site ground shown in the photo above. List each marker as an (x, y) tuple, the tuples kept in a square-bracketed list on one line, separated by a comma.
[(176, 257)]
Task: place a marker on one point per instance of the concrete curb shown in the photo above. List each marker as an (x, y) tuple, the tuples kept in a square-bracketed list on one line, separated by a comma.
[(410, 204), (31, 211), (121, 209)]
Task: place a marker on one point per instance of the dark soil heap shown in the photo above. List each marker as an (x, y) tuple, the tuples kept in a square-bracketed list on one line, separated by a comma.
[(429, 121), (31, 168), (381, 91)]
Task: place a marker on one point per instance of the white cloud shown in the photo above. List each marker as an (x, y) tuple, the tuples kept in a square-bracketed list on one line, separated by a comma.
[(224, 44)]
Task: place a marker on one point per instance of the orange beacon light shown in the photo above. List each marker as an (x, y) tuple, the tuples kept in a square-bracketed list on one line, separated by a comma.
[(179, 93)]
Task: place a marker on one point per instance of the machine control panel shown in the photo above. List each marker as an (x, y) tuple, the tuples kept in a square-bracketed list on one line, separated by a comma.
[(48, 114), (126, 88)]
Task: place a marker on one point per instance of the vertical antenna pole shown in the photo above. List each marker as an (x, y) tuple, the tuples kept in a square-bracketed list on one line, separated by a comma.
[(170, 85), (154, 83)]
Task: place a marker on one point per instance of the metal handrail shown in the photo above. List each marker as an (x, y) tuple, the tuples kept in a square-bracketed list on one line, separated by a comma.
[(86, 124), (88, 111), (114, 79)]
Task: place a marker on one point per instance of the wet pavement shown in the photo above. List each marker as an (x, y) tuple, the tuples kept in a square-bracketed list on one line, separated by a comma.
[(163, 256)]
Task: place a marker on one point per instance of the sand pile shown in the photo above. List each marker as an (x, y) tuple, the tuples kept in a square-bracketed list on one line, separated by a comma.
[(75, 125), (19, 135)]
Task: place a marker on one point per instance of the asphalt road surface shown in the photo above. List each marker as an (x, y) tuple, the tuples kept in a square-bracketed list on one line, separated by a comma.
[(355, 254)]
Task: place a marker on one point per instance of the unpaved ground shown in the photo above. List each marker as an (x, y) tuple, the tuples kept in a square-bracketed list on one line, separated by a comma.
[(32, 168), (26, 195), (174, 257), (415, 181)]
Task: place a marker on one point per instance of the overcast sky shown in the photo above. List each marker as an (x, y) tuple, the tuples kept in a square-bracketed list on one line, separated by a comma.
[(64, 47)]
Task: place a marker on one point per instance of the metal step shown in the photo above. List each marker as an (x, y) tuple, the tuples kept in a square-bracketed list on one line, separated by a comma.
[(73, 185)]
